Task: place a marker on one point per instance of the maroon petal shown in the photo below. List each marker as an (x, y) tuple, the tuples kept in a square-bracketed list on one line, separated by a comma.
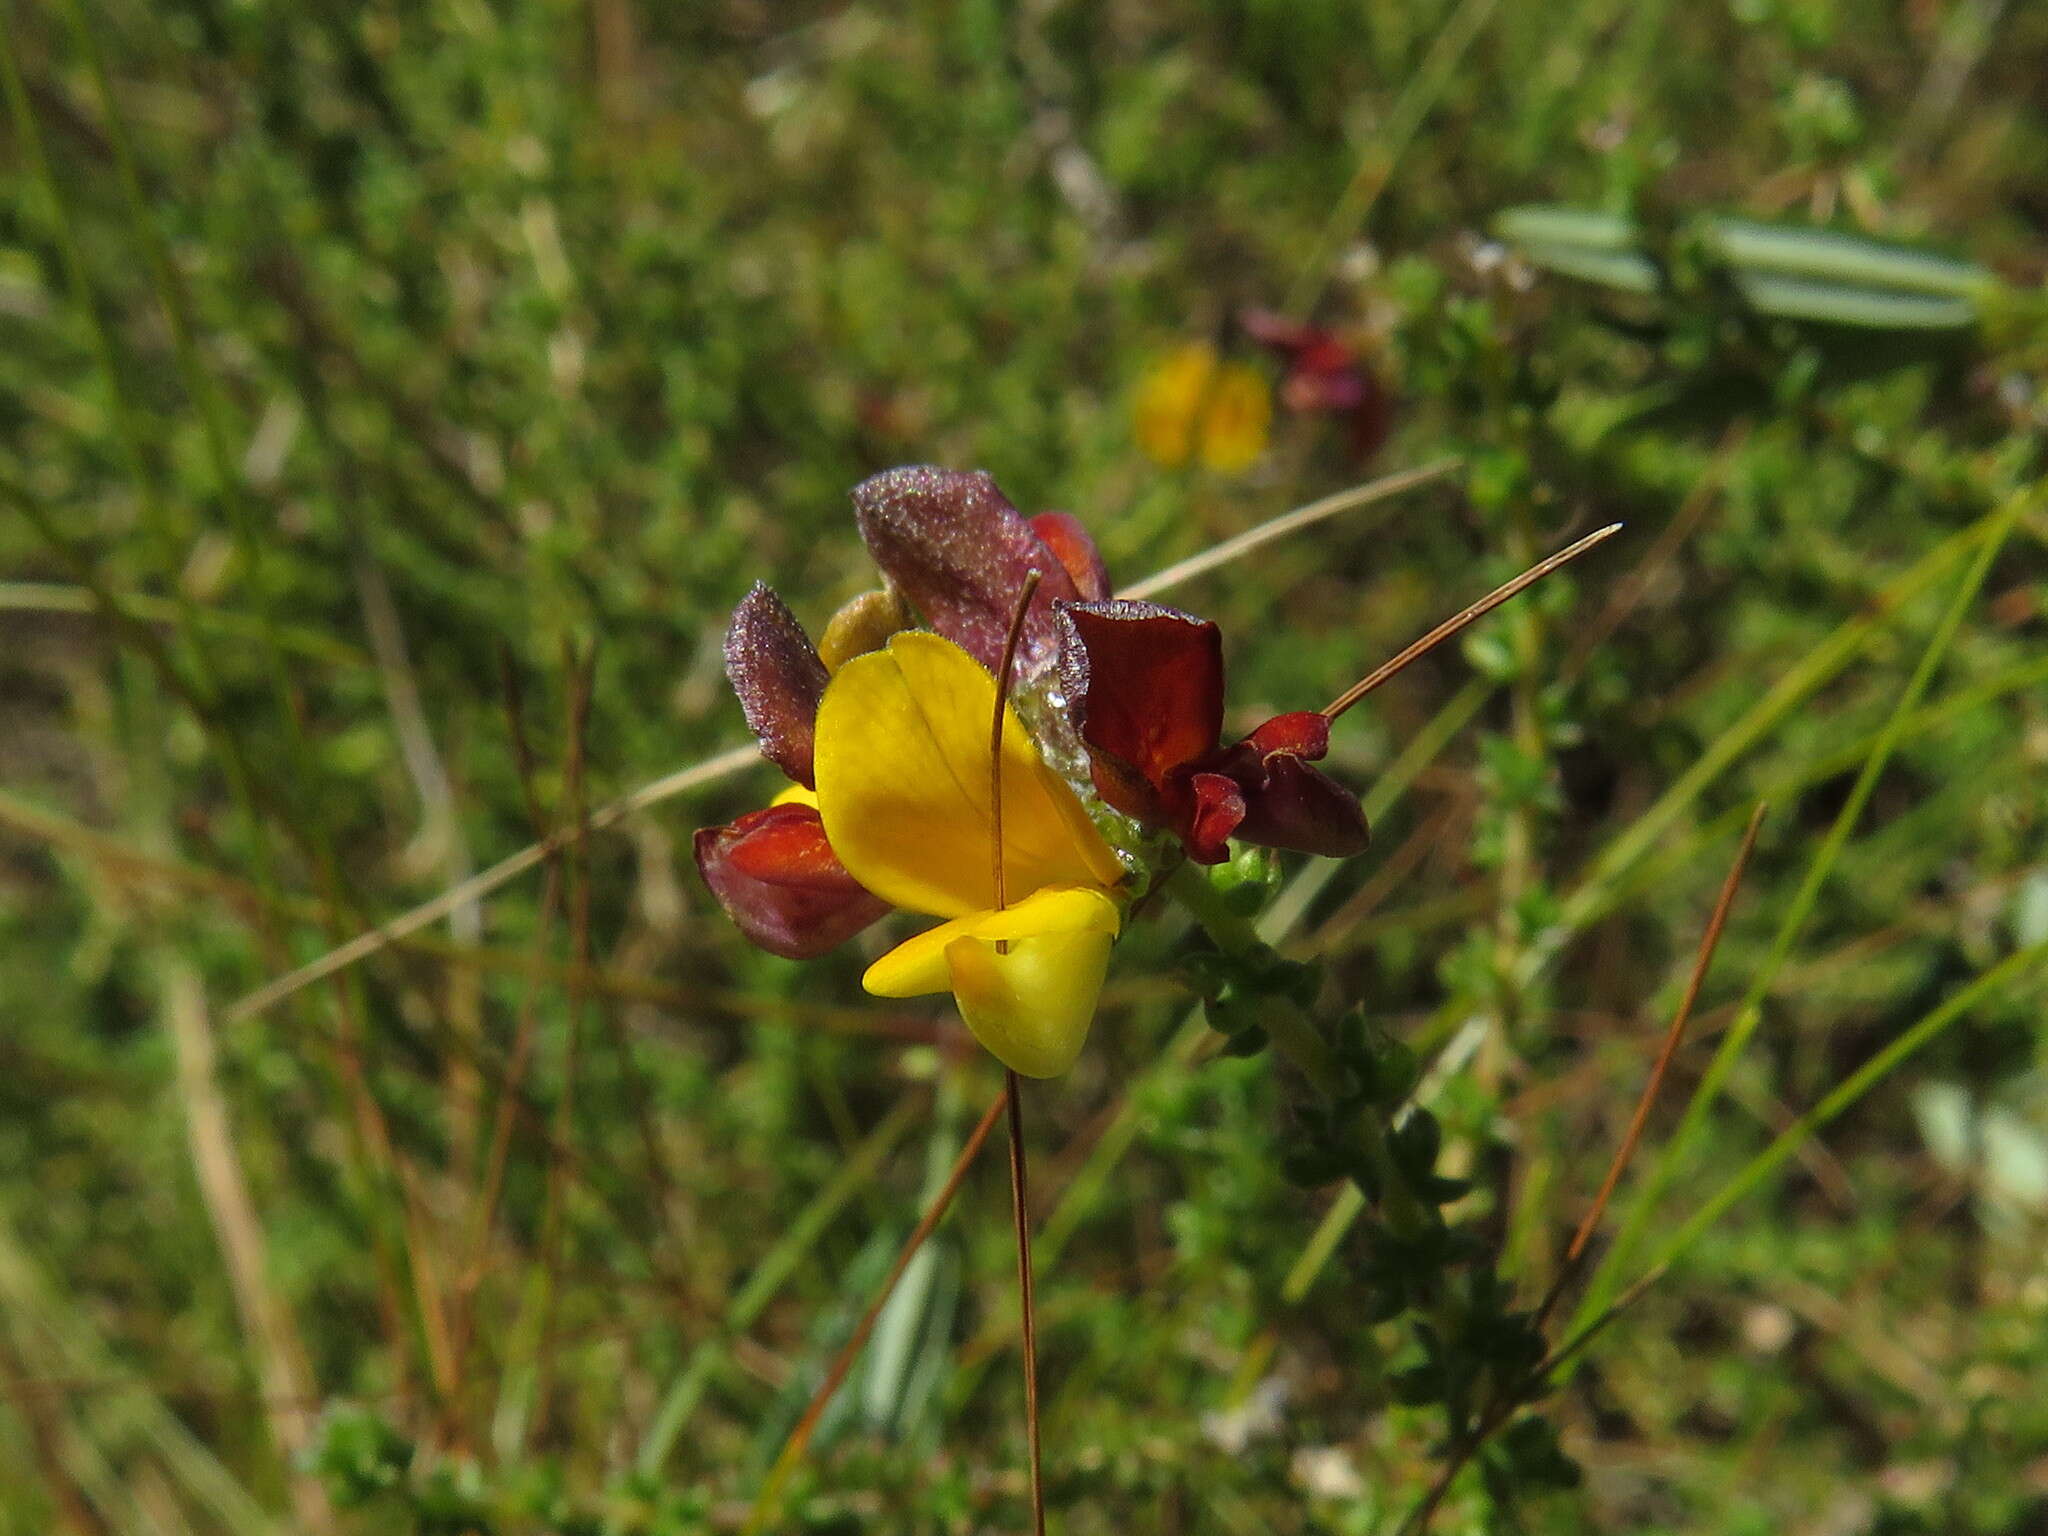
[(952, 543), (1301, 733), (1329, 392), (1372, 419), (1145, 686), (779, 678), (1216, 810), (779, 880), (1325, 376), (1070, 544), (1300, 808)]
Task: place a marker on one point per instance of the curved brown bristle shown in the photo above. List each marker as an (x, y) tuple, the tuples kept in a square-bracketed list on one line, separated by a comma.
[(1458, 621)]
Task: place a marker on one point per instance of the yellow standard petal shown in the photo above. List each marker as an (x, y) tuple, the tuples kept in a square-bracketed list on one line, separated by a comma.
[(902, 763), (1032, 1006)]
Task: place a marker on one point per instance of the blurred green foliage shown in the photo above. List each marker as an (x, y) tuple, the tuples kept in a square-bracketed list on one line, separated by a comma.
[(357, 358)]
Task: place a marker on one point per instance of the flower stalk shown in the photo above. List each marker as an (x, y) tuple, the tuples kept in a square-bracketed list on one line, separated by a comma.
[(1296, 1036)]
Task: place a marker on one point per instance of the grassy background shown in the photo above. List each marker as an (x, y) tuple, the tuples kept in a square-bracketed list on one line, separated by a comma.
[(354, 359)]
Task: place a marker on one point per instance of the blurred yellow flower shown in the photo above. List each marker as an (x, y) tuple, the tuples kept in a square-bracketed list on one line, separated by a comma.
[(1192, 404)]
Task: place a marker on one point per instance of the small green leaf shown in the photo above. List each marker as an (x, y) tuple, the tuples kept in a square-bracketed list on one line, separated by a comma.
[(1847, 259), (1798, 298)]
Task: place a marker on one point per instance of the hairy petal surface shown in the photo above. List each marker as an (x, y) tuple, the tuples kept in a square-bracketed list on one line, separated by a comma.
[(777, 877), (1145, 686), (904, 786), (1031, 1006), (778, 677), (955, 547)]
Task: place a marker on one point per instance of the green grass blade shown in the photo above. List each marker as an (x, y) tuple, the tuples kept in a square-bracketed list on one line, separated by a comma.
[(1799, 683), (767, 1280), (1800, 298), (1838, 1101), (1749, 1012), (1842, 259)]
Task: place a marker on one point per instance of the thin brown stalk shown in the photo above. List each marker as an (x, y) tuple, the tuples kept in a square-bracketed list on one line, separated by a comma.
[(371, 1139), (1020, 1211), (1504, 1406), (995, 742), (1458, 621), (436, 1332), (1632, 1137), (432, 911), (800, 1438), (1509, 1397), (1020, 1202)]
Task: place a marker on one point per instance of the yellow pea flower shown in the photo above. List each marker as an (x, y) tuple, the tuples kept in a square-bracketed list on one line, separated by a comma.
[(1193, 404), (903, 777)]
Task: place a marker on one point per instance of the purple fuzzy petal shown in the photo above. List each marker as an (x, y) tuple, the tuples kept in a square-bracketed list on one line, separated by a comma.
[(952, 543), (777, 674)]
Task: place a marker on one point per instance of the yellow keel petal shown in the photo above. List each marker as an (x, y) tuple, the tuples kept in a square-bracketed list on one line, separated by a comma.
[(1032, 1006)]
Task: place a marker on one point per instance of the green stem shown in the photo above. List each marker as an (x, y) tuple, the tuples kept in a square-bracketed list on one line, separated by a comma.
[(1293, 1033)]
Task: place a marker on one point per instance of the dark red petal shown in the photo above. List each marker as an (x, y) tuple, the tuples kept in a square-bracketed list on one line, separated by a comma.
[(1301, 733), (1071, 546), (1372, 419), (779, 880), (1145, 687), (1301, 809), (953, 545), (1320, 352), (1217, 810), (779, 678), (1332, 392)]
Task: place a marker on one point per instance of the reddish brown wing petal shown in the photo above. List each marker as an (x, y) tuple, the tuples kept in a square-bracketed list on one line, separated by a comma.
[(1070, 544), (779, 678), (1302, 809), (779, 880), (1301, 733), (952, 543), (1145, 686), (1215, 814)]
